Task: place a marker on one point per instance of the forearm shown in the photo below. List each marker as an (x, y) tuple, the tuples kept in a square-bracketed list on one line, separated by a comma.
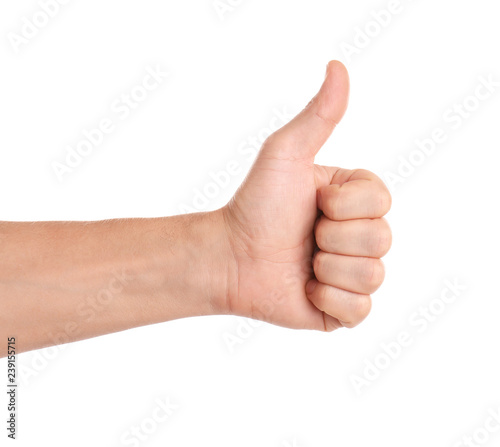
[(67, 281)]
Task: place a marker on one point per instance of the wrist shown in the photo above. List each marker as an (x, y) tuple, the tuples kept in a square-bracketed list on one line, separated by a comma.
[(198, 264), (216, 268)]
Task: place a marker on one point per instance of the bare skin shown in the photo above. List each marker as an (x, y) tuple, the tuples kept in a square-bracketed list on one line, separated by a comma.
[(290, 226)]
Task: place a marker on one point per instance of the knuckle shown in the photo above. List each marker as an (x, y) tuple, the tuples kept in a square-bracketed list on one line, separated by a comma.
[(384, 200), (279, 144), (360, 309), (373, 274), (319, 234), (318, 262), (320, 297), (336, 202), (322, 234), (331, 200), (363, 173), (381, 240), (331, 323), (274, 139)]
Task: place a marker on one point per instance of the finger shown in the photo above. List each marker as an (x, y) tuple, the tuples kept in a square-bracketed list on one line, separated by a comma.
[(360, 237), (304, 135), (360, 195), (348, 308), (331, 323), (355, 274)]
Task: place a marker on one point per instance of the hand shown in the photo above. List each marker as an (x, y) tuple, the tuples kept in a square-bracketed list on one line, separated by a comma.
[(306, 239), (292, 225)]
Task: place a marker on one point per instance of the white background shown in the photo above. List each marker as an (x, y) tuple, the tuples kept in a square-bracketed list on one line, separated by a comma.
[(227, 75)]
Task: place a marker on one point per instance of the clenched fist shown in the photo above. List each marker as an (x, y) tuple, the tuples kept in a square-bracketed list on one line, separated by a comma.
[(306, 240), (298, 245)]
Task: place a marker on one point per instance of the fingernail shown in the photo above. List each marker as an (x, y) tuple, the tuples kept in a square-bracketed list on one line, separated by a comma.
[(311, 285)]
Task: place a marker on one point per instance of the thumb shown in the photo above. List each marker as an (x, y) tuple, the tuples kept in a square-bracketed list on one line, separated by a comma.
[(304, 135)]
